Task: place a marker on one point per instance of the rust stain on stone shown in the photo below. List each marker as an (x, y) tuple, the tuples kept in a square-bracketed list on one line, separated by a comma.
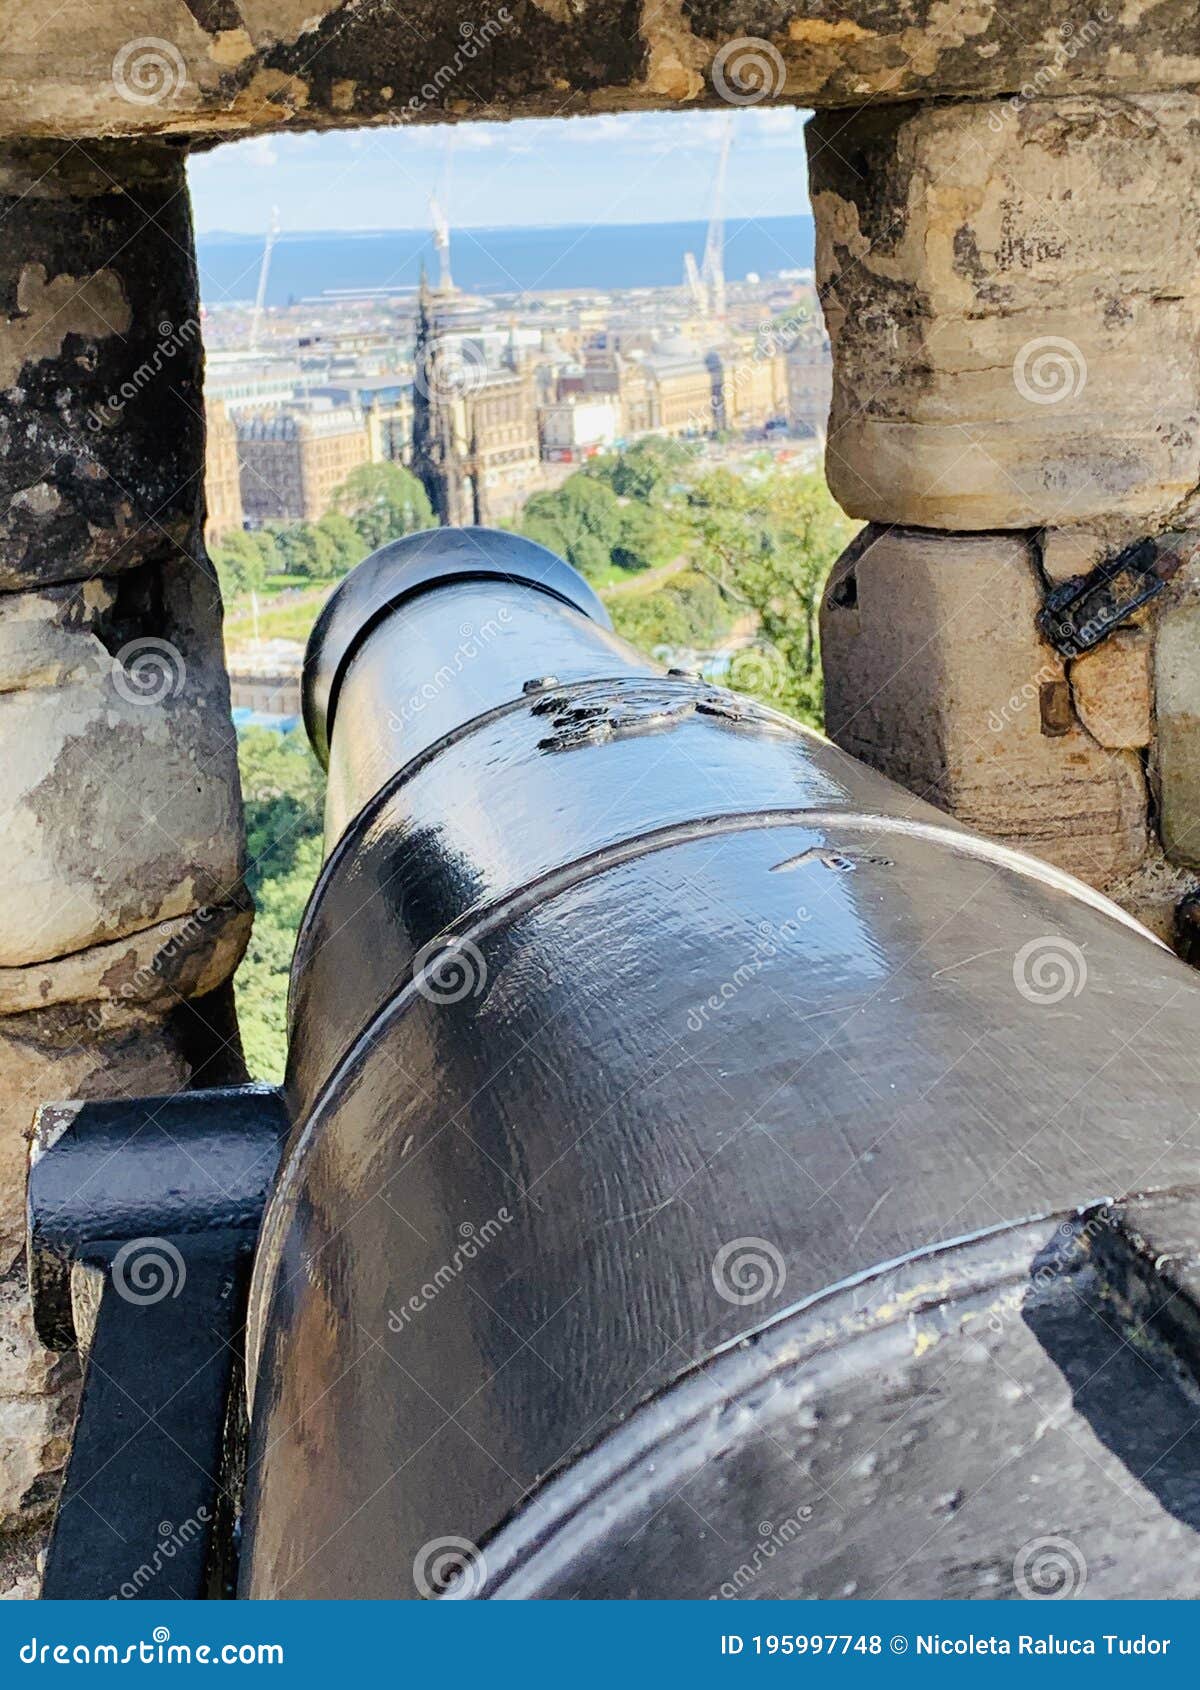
[(48, 310)]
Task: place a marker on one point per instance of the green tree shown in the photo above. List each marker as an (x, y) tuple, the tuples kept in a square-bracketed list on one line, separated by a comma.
[(688, 611), (345, 539), (263, 541), (283, 792), (769, 546), (581, 521), (240, 564), (647, 537), (261, 985), (383, 501), (647, 470), (307, 550)]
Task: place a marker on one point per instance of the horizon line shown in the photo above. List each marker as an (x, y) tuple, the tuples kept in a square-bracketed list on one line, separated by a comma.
[(503, 228)]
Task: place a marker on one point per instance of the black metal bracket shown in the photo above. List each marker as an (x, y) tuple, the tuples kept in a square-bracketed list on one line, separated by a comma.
[(1082, 612), (142, 1218)]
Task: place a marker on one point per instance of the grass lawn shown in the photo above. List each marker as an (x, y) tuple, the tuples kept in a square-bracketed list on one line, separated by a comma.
[(290, 620)]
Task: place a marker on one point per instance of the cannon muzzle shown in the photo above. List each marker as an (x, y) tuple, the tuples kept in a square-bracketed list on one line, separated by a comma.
[(707, 1169)]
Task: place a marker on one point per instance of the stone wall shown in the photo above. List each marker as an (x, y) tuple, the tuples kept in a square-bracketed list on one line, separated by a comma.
[(1006, 197), (122, 913), (225, 67), (1013, 300)]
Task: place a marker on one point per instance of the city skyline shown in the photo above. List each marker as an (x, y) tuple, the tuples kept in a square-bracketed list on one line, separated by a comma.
[(630, 169)]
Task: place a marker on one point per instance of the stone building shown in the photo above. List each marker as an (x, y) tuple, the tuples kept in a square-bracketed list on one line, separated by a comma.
[(222, 474), (686, 390), (386, 403), (754, 384), (500, 427), (1007, 203), (638, 397), (994, 275), (578, 424), (475, 436), (810, 385), (294, 460), (437, 437)]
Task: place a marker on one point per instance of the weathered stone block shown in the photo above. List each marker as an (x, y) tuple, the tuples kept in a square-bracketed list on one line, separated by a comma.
[(1076, 551), (935, 674), (122, 912), (145, 66), (101, 424), (35, 1441), (38, 1390), (1112, 690), (1177, 721), (120, 806), (1014, 304), (1153, 892)]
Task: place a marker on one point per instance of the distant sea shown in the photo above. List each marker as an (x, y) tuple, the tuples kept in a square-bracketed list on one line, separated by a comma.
[(626, 255)]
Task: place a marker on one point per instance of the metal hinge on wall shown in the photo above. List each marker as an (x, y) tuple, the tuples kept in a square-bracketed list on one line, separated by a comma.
[(1082, 612)]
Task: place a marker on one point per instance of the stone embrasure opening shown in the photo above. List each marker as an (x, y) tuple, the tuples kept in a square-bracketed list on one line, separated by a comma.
[(1008, 212)]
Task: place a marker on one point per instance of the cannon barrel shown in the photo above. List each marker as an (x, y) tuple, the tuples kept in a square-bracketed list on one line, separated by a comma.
[(710, 1170)]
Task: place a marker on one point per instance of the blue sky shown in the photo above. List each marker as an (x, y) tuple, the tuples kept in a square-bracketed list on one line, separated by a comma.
[(638, 168)]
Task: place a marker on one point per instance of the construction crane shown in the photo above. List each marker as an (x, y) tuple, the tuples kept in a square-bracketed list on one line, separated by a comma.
[(260, 297), (713, 268), (706, 282), (694, 283), (441, 245)]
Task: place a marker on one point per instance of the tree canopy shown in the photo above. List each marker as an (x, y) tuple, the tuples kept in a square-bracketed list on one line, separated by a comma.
[(383, 501), (647, 470)]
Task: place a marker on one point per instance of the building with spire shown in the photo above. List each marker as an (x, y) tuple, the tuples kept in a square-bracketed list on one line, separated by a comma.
[(475, 434), (436, 459)]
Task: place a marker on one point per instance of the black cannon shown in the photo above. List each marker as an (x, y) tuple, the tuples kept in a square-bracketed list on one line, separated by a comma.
[(703, 1169)]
